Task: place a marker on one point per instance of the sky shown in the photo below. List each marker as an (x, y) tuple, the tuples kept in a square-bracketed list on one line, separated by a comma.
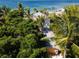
[(38, 3)]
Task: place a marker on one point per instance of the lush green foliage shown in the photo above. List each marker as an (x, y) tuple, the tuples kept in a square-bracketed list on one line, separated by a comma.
[(20, 37), (66, 28)]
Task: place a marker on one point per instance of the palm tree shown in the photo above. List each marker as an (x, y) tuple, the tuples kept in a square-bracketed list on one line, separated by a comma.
[(64, 29), (20, 9), (35, 10), (44, 11), (27, 12), (4, 10), (3, 13)]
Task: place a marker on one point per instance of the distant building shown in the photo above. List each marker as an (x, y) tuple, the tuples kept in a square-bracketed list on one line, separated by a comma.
[(57, 12), (60, 11), (35, 16)]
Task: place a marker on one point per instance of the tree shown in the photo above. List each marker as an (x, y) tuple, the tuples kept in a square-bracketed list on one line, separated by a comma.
[(20, 9), (44, 11), (65, 28), (27, 12), (35, 10), (20, 38)]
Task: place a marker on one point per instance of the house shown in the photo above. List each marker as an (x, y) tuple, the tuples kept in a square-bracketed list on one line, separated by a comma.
[(35, 16), (59, 12)]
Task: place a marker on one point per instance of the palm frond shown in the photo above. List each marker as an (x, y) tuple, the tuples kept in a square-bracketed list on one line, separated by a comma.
[(75, 50)]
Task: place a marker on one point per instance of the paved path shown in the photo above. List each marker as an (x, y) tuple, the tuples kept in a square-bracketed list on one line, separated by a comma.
[(49, 34)]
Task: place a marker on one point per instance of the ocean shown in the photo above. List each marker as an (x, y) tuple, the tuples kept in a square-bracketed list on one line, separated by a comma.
[(39, 3)]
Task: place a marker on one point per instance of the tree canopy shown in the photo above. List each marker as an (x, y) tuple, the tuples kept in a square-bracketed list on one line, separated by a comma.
[(22, 38)]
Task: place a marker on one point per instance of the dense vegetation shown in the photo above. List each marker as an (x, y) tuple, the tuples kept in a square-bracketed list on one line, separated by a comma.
[(22, 38), (66, 28)]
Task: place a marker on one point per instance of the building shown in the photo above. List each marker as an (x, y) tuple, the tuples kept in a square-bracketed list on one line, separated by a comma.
[(35, 16), (59, 12)]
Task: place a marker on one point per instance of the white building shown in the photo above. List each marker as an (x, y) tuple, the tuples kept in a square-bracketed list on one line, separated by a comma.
[(38, 14), (59, 11)]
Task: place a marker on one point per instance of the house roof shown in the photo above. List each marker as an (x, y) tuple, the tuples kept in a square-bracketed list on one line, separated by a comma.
[(38, 14)]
